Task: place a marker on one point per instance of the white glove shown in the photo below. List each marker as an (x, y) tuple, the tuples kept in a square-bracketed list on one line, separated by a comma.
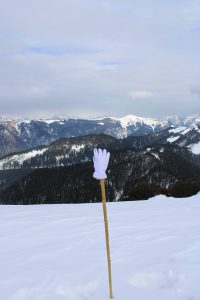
[(100, 159)]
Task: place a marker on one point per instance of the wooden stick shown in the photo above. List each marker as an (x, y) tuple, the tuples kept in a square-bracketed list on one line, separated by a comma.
[(103, 193)]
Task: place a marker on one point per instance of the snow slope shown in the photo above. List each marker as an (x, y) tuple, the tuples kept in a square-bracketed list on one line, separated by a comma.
[(17, 159), (57, 252)]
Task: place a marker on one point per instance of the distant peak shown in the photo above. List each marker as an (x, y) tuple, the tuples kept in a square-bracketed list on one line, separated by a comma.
[(133, 119)]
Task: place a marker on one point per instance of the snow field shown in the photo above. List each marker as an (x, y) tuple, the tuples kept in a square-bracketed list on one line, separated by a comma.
[(57, 252)]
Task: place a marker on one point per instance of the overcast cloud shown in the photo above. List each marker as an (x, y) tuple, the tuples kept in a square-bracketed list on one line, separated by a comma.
[(90, 58)]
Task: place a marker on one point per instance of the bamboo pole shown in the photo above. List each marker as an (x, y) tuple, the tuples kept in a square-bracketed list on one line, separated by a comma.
[(103, 193)]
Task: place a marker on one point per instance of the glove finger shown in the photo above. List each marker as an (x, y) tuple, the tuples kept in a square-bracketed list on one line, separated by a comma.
[(100, 152), (95, 151), (104, 153), (107, 158)]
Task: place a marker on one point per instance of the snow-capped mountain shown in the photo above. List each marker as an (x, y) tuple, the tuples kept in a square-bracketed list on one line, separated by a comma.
[(18, 135), (183, 121), (62, 170), (134, 125), (70, 151)]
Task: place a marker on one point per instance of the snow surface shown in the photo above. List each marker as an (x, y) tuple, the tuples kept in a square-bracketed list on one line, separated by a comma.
[(155, 155), (186, 130), (28, 121), (195, 148), (173, 139), (48, 121), (178, 129), (54, 252), (77, 148)]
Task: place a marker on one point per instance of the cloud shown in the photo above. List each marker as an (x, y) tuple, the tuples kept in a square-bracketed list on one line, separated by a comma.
[(84, 56), (60, 50), (141, 94), (195, 90)]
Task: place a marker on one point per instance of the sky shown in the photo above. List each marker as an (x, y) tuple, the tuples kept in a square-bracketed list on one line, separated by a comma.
[(95, 58)]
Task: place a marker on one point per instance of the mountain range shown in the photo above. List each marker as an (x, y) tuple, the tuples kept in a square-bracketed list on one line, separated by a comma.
[(59, 170), (18, 135), (68, 151), (161, 166)]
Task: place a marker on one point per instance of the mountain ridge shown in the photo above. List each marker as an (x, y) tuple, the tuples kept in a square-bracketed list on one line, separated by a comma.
[(70, 150), (16, 135), (162, 165)]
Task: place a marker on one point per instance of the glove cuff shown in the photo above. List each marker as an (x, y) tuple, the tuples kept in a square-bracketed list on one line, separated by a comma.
[(99, 175)]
